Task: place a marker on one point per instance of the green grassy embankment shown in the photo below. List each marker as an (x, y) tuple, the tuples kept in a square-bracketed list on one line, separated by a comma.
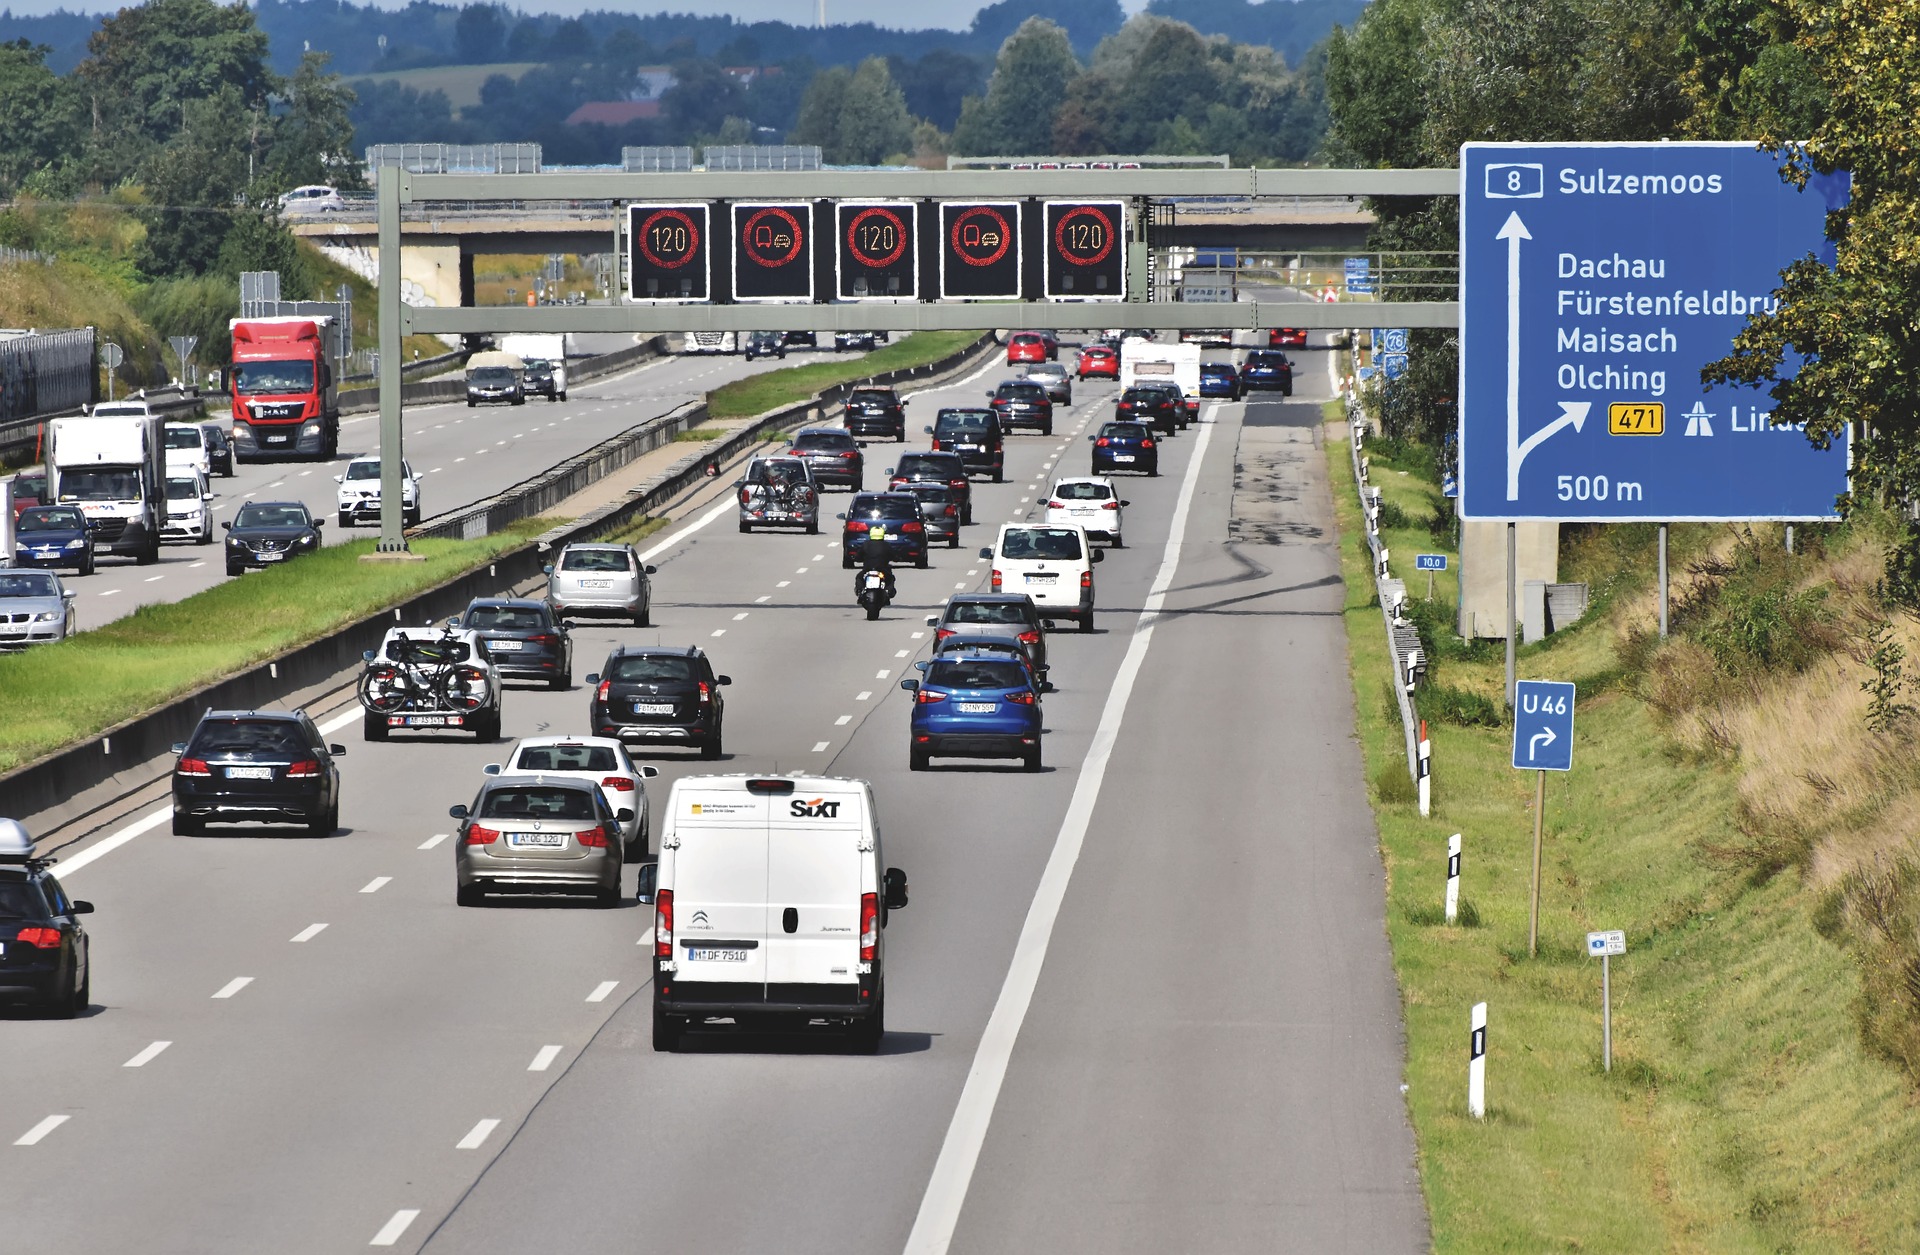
[(1744, 1112), (769, 391)]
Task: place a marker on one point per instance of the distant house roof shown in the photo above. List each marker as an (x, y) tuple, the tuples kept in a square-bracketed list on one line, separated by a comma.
[(613, 112)]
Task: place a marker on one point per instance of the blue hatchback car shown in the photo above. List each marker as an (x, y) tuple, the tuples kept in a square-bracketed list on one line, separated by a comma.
[(53, 536), (972, 705), (1219, 379), (1124, 447)]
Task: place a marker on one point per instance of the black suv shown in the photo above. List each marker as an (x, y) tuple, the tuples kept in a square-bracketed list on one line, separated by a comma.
[(935, 468), (876, 412), (1152, 406), (1019, 403), (660, 696), (832, 454), (976, 435), (43, 950), (265, 533), (898, 513), (254, 767), (965, 611)]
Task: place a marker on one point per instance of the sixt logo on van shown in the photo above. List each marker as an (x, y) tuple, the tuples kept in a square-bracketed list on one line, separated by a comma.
[(818, 808)]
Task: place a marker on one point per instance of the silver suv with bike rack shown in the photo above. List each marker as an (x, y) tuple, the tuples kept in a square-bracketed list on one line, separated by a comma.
[(432, 679)]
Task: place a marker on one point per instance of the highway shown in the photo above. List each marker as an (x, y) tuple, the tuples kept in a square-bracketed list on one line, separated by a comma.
[(462, 454), (1140, 1002)]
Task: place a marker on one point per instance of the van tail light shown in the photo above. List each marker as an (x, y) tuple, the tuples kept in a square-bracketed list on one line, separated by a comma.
[(663, 924), (996, 581), (594, 838), (869, 925), (927, 697), (1056, 505), (1029, 638), (706, 693), (1100, 443), (49, 938), (1024, 697), (600, 694), (1086, 579), (194, 767), (1111, 505), (303, 770), (619, 784), (476, 835)]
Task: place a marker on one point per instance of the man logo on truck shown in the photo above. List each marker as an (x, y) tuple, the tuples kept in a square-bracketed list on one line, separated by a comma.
[(818, 808)]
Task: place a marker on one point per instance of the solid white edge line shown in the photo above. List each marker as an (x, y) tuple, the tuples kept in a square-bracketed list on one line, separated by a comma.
[(946, 1195), (390, 1232), (147, 823), (33, 1135), (147, 1055), (477, 1135)]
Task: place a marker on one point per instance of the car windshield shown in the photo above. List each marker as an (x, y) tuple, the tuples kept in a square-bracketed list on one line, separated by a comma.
[(88, 485), (825, 440), (185, 438), (183, 489), (964, 420), (30, 484), (27, 584), (507, 618), (1061, 543), (539, 369), (595, 560), (1022, 392), (271, 516), (566, 758), (52, 519), (256, 738), (650, 669), (1081, 491), (537, 801), (1008, 612), (975, 673), (494, 375), (1123, 431), (255, 378), (363, 470), (20, 899), (883, 508)]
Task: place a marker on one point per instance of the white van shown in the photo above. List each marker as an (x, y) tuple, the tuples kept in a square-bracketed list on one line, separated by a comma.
[(769, 901), (1053, 564), (189, 450)]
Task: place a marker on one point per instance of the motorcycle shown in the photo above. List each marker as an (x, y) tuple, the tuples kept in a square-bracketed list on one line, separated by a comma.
[(873, 593)]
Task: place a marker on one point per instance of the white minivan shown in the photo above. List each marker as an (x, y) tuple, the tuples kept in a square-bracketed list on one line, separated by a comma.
[(189, 450), (1052, 563), (769, 901)]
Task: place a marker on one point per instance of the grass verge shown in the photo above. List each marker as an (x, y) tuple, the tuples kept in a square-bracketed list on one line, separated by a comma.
[(759, 393), (1743, 1113), (55, 695)]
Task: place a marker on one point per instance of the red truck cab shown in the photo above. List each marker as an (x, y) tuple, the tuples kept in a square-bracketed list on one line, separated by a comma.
[(284, 400)]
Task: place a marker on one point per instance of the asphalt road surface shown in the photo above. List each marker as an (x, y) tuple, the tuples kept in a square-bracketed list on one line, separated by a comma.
[(1141, 1001)]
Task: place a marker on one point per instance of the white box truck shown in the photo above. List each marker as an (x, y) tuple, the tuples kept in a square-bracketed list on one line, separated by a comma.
[(532, 349), (112, 464)]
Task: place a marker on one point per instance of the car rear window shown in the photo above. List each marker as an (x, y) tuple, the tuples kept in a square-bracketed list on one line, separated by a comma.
[(507, 618), (426, 653), (932, 492), (268, 738), (883, 508), (1124, 431), (1022, 391), (594, 560), (1081, 491), (650, 669), (1061, 543), (964, 420), (975, 673), (1143, 396), (825, 440), (1009, 612), (185, 438), (566, 758), (1215, 368), (870, 396), (1259, 358), (20, 899), (537, 801), (1028, 339)]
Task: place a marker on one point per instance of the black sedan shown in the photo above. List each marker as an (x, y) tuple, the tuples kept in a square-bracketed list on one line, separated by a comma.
[(522, 638), (53, 536), (266, 533), (43, 950), (256, 766)]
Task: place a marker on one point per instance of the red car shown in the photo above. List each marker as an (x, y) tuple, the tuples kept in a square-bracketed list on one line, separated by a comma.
[(1027, 346), (1098, 359), (1287, 337)]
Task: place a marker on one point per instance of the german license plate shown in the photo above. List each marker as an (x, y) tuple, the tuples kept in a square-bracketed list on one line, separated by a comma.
[(249, 773), (596, 583), (13, 629), (978, 708), (503, 647), (537, 840), (1043, 579), (711, 954), (276, 439), (653, 708), (1081, 514), (1123, 457), (968, 448), (425, 721), (271, 557)]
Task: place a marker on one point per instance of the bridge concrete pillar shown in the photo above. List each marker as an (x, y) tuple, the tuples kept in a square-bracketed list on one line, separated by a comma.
[(1483, 570)]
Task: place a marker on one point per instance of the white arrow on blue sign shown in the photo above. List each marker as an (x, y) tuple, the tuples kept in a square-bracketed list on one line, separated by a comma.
[(1543, 726)]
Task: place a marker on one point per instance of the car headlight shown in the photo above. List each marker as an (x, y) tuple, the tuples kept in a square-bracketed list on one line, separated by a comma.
[(78, 542), (234, 542), (308, 540), (46, 616)]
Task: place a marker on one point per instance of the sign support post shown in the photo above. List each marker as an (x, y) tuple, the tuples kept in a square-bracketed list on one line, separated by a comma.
[(1542, 742), (1539, 832), (1663, 581), (1605, 945), (1513, 603)]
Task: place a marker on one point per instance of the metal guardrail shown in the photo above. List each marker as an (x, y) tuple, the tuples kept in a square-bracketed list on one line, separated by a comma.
[(175, 404)]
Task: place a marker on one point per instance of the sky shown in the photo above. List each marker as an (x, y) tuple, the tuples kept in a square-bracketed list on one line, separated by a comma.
[(952, 14)]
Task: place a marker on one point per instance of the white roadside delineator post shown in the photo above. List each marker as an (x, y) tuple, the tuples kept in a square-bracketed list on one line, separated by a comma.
[(1477, 1063), (1426, 762), (1453, 877)]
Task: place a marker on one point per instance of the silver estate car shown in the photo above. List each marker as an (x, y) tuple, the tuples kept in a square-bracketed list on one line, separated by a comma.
[(538, 834), (35, 608), (779, 492), (1055, 378), (601, 581)]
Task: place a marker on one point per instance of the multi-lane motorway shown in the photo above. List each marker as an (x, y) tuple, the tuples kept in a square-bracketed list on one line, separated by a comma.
[(1141, 1001), (462, 455)]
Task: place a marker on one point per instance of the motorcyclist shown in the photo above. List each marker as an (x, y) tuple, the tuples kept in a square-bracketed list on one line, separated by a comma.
[(875, 555)]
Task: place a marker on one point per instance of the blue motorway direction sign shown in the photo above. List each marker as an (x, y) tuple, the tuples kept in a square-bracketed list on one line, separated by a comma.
[(1596, 280), (1429, 561), (1359, 275), (1543, 726)]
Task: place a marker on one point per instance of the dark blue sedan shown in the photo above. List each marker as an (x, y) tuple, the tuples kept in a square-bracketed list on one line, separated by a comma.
[(1219, 379), (974, 705), (1125, 447), (1268, 369), (53, 536)]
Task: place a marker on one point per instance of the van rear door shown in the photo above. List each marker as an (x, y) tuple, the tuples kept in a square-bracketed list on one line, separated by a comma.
[(814, 863), (720, 887)]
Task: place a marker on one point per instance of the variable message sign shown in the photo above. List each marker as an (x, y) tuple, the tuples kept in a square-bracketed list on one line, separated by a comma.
[(980, 250), (772, 251), (1086, 250), (1596, 281), (669, 254), (877, 257)]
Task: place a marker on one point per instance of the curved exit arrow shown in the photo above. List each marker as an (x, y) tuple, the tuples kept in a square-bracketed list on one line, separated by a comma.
[(1533, 743), (1572, 414)]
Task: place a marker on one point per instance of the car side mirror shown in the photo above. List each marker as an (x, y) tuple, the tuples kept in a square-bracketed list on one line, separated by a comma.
[(319, 522), (726, 680), (339, 479), (921, 666), (1047, 624), (453, 620), (651, 570), (593, 677), (649, 878), (928, 430), (911, 686), (456, 812), (649, 773), (1097, 555), (933, 620), (986, 553), (491, 769), (80, 907), (624, 815), (177, 748), (225, 527), (1047, 686), (896, 888), (67, 594), (547, 569), (1126, 503), (890, 470), (840, 516), (336, 749), (1092, 437)]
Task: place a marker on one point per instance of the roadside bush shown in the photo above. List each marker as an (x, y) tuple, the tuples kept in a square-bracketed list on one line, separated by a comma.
[(1751, 613), (1443, 703)]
